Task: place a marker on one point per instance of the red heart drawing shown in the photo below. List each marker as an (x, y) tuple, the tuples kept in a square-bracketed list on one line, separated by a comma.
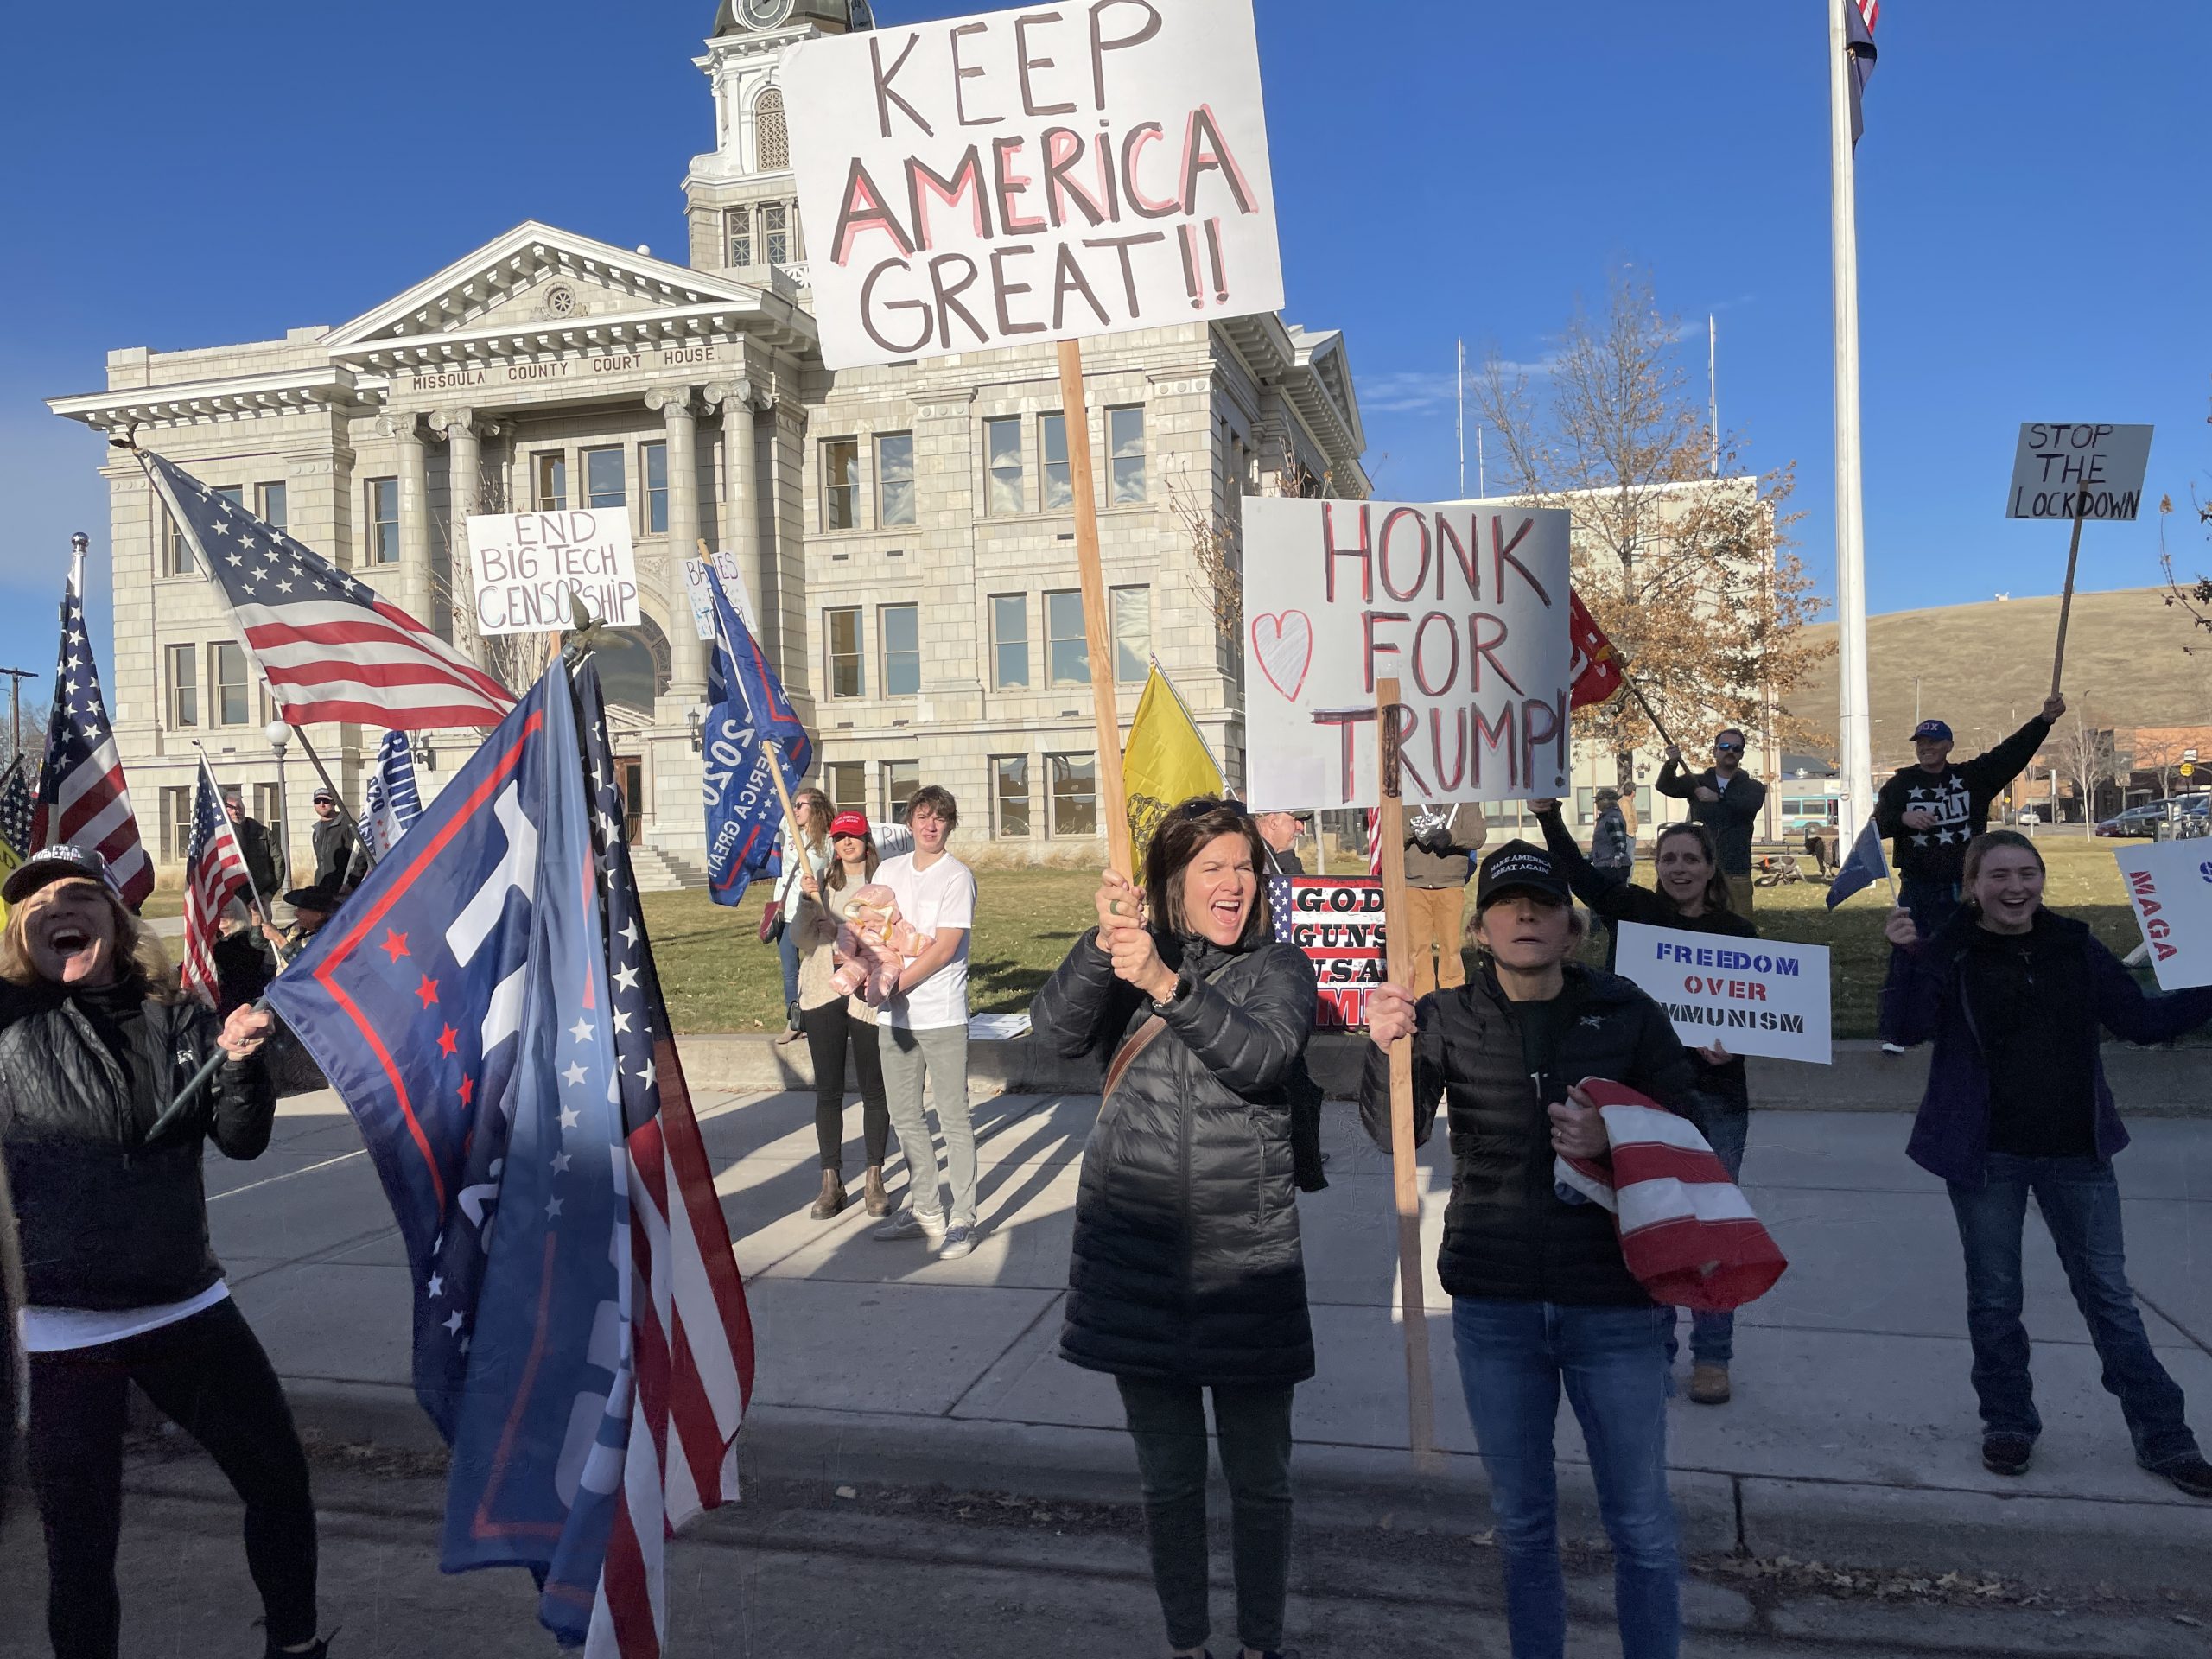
[(1284, 645)]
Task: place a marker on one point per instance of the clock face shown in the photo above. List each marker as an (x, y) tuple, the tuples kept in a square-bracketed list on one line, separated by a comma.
[(768, 14)]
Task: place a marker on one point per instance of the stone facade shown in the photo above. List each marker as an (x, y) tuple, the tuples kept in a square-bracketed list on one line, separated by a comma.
[(860, 506)]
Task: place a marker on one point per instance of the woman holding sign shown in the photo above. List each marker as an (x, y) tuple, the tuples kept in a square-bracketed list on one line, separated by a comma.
[(1186, 1274), (1693, 897), (2016, 1103)]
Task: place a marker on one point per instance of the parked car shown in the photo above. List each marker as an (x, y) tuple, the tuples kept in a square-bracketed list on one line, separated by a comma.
[(2027, 817), (2137, 821)]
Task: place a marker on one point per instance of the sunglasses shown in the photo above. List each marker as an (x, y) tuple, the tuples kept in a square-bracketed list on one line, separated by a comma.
[(1727, 748)]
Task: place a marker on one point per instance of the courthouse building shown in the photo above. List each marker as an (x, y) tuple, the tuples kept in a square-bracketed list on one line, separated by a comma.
[(904, 532)]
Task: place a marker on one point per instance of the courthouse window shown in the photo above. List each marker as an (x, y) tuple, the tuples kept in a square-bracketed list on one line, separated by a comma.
[(841, 484), (900, 779), (779, 222), (604, 484), (1010, 789), (1053, 434), (1002, 456), (383, 521), (184, 685), (846, 783), (176, 557), (1075, 794), (654, 457), (740, 223), (1067, 649), (1132, 633), (272, 507), (176, 824), (901, 626), (1009, 640), (1125, 440), (233, 705), (550, 481), (894, 478), (771, 133), (842, 640)]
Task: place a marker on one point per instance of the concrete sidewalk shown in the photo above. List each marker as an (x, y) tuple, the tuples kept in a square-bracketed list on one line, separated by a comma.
[(1853, 1436)]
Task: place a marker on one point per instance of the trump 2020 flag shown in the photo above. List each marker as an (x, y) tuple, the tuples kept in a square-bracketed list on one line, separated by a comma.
[(464, 1006), (1865, 867), (746, 712), (393, 801)]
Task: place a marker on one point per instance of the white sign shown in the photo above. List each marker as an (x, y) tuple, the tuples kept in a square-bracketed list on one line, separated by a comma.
[(528, 564), (1751, 996), (1048, 174), (2170, 884), (702, 604), (1467, 606), (2077, 469)]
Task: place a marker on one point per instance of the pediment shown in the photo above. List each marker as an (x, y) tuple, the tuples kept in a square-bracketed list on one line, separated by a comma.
[(539, 275)]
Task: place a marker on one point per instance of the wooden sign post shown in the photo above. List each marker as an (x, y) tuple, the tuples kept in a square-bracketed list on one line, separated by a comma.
[(1405, 1171), (1097, 619), (2065, 607)]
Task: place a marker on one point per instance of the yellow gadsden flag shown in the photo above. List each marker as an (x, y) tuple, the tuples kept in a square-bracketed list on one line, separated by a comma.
[(1165, 762)]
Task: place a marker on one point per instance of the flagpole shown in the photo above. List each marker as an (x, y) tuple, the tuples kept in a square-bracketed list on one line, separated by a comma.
[(1854, 721), (216, 790)]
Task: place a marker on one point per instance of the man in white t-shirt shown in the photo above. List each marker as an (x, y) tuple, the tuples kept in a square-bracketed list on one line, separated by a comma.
[(924, 1030)]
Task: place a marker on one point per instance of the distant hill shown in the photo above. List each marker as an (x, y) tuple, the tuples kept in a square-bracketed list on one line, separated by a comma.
[(1985, 668)]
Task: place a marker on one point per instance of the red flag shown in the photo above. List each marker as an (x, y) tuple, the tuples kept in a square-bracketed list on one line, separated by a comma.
[(1596, 670)]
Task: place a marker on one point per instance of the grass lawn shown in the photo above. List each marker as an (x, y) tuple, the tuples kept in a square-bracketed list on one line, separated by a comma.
[(719, 977)]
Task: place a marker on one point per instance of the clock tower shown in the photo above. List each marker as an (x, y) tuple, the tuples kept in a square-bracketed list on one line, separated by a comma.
[(743, 205)]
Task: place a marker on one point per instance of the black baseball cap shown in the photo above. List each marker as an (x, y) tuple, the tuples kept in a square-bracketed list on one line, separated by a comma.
[(1518, 864), (62, 863), (323, 898)]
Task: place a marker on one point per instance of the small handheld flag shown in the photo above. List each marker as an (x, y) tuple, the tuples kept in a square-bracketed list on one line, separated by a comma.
[(393, 801), (82, 799), (1594, 672), (214, 872), (1166, 760), (1865, 867)]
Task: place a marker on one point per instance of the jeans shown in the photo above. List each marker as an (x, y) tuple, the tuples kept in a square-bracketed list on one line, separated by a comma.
[(2080, 1201), (1513, 1357), (829, 1029), (207, 1374), (787, 948), (1712, 1336), (1167, 1421), (1931, 904), (939, 1058), (1435, 914)]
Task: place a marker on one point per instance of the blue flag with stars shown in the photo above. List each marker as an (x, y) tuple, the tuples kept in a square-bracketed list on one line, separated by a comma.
[(746, 712), (459, 1005)]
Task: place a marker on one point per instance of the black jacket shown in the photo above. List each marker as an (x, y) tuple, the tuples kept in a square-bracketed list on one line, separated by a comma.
[(1959, 797), (1507, 1233), (260, 858), (340, 861), (108, 1221), (1186, 1262), (1731, 818), (1618, 900)]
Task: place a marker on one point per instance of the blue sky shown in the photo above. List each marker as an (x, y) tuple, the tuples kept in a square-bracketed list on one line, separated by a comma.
[(2033, 234)]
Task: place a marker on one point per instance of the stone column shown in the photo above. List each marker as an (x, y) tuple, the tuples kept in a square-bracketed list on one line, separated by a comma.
[(412, 590), (687, 660), (740, 494), (464, 491)]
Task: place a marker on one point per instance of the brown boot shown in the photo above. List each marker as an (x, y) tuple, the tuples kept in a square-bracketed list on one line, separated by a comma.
[(833, 1195), (1709, 1385), (879, 1201)]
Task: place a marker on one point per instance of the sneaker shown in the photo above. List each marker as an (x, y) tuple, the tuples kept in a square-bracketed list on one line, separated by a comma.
[(959, 1240), (910, 1224), (1892, 1048), (2192, 1474), (2009, 1454), (1709, 1384)]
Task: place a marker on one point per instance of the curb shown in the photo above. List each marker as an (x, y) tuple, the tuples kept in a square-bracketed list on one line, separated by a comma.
[(2051, 1541)]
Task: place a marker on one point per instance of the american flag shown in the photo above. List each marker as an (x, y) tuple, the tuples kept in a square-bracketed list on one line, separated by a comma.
[(82, 799), (17, 809), (1859, 17), (691, 1334), (214, 870), (330, 647)]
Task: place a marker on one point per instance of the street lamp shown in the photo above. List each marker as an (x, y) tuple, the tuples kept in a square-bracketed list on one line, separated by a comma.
[(280, 737), (696, 722)]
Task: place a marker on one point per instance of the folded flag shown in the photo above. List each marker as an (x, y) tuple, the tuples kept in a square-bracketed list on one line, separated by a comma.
[(1865, 865), (1685, 1230)]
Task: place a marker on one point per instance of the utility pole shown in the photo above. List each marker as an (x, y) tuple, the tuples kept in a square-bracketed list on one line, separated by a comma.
[(1712, 385), (16, 678), (1459, 401)]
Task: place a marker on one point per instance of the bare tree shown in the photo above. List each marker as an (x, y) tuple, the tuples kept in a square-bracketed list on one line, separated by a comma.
[(513, 659), (2194, 596), (2084, 757), (1216, 527), (1683, 556)]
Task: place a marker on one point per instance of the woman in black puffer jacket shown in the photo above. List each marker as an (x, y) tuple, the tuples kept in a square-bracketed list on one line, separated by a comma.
[(121, 1285), (1187, 1273)]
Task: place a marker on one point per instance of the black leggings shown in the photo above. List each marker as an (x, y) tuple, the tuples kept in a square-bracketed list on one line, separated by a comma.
[(827, 1029), (209, 1374)]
